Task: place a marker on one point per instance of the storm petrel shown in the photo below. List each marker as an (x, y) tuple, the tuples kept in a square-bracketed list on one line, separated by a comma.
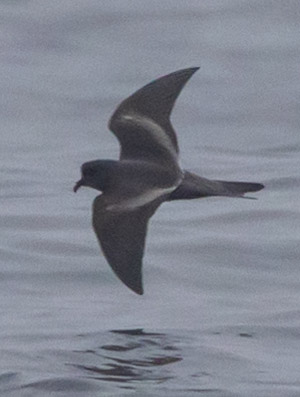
[(146, 175)]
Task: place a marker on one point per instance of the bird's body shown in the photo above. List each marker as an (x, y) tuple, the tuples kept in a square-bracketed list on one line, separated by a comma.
[(146, 175)]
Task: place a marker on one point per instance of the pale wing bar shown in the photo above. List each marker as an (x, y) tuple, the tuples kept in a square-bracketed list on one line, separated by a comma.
[(152, 103)]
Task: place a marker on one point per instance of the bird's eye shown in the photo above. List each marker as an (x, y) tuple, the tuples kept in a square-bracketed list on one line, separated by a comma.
[(89, 172)]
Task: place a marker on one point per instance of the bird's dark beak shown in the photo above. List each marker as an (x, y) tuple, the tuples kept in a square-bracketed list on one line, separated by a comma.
[(78, 184)]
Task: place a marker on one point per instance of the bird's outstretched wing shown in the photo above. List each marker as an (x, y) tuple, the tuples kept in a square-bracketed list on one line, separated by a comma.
[(122, 235), (142, 121)]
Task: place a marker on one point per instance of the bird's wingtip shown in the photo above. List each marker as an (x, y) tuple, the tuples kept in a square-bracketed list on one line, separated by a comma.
[(138, 290), (135, 285), (193, 69)]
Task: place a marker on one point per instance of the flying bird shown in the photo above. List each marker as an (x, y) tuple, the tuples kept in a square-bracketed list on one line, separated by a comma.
[(146, 175)]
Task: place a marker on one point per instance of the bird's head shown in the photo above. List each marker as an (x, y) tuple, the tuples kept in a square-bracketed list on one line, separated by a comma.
[(95, 174)]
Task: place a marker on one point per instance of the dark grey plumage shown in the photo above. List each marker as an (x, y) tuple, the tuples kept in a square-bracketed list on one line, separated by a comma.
[(147, 174)]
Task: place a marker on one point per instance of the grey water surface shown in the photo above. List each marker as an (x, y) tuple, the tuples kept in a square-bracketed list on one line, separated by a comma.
[(221, 310)]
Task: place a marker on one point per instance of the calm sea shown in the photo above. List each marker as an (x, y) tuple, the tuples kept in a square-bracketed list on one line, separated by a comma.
[(221, 310)]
